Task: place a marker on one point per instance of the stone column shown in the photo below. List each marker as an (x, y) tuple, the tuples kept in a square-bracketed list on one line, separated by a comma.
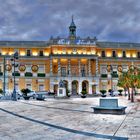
[(89, 67), (59, 68), (90, 88), (79, 87), (70, 86), (79, 63), (97, 70), (51, 72)]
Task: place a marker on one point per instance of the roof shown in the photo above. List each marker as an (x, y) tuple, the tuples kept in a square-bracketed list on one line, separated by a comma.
[(24, 43), (118, 45)]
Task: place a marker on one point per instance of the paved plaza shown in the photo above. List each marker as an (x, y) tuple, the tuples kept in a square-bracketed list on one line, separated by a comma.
[(66, 119)]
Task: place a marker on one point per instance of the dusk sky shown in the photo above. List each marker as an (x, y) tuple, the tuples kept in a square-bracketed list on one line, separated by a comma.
[(108, 20)]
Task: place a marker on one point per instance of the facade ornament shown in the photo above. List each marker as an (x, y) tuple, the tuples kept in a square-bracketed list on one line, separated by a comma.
[(22, 67), (34, 68), (120, 69), (8, 67)]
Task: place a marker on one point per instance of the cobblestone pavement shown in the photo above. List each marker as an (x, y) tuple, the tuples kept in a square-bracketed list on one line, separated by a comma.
[(67, 119)]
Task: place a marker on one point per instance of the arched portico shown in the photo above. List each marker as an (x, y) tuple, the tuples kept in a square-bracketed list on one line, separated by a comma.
[(85, 85), (75, 87)]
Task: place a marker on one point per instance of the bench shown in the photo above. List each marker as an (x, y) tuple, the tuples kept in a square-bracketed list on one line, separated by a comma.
[(109, 106)]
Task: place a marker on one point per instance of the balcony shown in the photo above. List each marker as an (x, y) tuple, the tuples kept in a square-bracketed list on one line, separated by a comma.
[(104, 75), (28, 74), (16, 74), (41, 75), (114, 75)]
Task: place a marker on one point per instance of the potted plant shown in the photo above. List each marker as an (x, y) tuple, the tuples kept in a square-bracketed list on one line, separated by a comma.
[(68, 92), (120, 92), (25, 93), (1, 92), (83, 94), (103, 93)]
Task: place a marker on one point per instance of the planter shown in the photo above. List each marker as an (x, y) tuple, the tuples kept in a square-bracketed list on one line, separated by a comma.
[(28, 74), (83, 96), (103, 95), (120, 94), (26, 97), (41, 75)]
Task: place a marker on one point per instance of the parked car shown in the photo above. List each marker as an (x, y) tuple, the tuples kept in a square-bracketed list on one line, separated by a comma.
[(1, 96), (115, 93), (41, 95), (32, 94)]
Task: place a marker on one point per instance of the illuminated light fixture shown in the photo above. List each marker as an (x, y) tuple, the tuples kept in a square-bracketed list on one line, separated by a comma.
[(22, 53), (35, 53), (128, 55), (88, 53), (11, 53), (99, 54), (69, 52), (46, 54), (79, 52), (108, 54), (55, 60), (3, 52), (134, 55), (119, 54)]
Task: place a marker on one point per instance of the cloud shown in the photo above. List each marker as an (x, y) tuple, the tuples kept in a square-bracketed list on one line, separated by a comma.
[(109, 20)]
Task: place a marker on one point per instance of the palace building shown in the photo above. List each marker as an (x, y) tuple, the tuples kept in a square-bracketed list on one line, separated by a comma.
[(82, 63)]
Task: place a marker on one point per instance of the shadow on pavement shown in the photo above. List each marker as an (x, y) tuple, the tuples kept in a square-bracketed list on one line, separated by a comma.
[(90, 134)]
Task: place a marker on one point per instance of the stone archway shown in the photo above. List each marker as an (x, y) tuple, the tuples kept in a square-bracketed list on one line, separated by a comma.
[(85, 85), (75, 87)]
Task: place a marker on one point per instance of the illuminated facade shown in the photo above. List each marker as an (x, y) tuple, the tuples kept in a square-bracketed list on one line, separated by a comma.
[(82, 63)]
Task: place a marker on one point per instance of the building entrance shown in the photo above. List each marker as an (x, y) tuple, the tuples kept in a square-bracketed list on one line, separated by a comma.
[(75, 87)]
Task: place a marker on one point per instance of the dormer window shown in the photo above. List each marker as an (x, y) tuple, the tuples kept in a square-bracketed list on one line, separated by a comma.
[(114, 54), (41, 53), (138, 54), (103, 53), (28, 52), (124, 54)]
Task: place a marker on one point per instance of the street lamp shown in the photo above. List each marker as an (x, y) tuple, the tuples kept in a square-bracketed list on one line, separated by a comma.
[(15, 56)]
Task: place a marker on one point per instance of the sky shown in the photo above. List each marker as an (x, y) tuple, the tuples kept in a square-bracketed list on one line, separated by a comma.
[(108, 20)]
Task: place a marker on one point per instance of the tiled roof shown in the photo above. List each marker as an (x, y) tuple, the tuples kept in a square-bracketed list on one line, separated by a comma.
[(117, 45), (23, 43)]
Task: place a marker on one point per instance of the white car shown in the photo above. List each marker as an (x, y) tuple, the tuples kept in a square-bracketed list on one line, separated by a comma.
[(32, 94)]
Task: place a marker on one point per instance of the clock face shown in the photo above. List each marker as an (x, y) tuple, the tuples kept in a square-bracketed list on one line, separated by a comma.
[(34, 68), (8, 67), (120, 69), (22, 67)]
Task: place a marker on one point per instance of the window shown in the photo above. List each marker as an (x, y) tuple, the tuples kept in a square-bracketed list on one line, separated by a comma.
[(28, 52), (138, 54), (41, 53), (103, 53), (114, 54), (29, 86), (63, 71), (41, 87), (124, 54)]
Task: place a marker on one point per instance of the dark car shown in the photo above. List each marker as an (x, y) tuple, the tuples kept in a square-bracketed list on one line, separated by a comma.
[(41, 95)]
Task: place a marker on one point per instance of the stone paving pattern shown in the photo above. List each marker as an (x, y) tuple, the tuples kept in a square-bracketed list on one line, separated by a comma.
[(67, 119)]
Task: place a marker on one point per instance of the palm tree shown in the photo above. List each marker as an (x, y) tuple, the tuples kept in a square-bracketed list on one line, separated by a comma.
[(130, 79), (124, 82)]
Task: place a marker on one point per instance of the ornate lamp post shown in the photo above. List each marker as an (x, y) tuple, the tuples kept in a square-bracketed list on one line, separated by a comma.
[(15, 56)]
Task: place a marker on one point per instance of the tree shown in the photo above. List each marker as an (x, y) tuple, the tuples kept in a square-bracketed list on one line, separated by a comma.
[(130, 80)]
